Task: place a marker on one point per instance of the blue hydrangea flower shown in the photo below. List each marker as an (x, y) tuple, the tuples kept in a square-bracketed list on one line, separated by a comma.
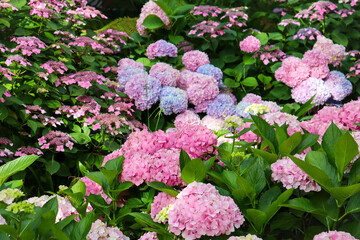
[(173, 100), (221, 107), (211, 70), (239, 110)]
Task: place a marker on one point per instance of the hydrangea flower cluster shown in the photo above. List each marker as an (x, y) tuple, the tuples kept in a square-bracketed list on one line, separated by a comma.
[(247, 237), (18, 59), (350, 114), (125, 74), (162, 200), (110, 122), (317, 10), (145, 90), (338, 85), (56, 139), (77, 111), (149, 236), (52, 66), (270, 53), (311, 33), (250, 44), (206, 10), (335, 53), (211, 70), (161, 48), (28, 45), (291, 176), (312, 86), (5, 5), (317, 62), (281, 118), (173, 100), (83, 79), (151, 8), (292, 71), (208, 27), (8, 195), (338, 235), (221, 107), (194, 59), (185, 46), (167, 75), (288, 21), (236, 16), (200, 210), (100, 230), (187, 119), (24, 151)]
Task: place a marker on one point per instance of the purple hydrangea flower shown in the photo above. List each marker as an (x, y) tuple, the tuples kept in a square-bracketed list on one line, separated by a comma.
[(338, 85), (221, 107), (239, 109), (312, 86), (126, 73), (145, 90), (161, 48), (173, 100), (211, 70)]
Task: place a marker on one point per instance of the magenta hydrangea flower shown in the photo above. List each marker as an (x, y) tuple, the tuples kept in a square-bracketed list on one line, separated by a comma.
[(52, 66), (288, 21), (18, 59), (206, 10), (194, 59), (145, 90), (173, 100), (200, 210), (185, 46), (236, 16), (291, 176), (292, 71), (250, 44), (317, 62), (151, 8), (270, 53), (167, 75), (350, 114), (24, 151), (57, 139), (334, 235), (100, 230), (110, 122), (149, 236), (94, 188), (187, 119), (161, 48), (161, 201), (83, 79), (252, 98), (28, 45), (321, 8), (338, 85), (311, 33), (312, 86), (208, 27)]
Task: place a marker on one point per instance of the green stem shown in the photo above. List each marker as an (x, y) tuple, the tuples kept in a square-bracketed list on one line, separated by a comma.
[(336, 220), (36, 177)]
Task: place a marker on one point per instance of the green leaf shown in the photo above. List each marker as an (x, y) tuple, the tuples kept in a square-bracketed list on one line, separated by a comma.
[(250, 82), (283, 221), (339, 38), (18, 3), (290, 144), (176, 39), (276, 205), (307, 141), (82, 228), (79, 187), (257, 218), (4, 22), (99, 178), (343, 193), (110, 175), (246, 188), (52, 167), (231, 83), (355, 173), (184, 159), (81, 138), (353, 205), (269, 157), (268, 197), (248, 60), (49, 36), (275, 36), (53, 104), (267, 132), (319, 160), (195, 170), (329, 139), (315, 173), (274, 67), (264, 79), (256, 177), (305, 107), (10, 230), (152, 22), (209, 163), (305, 205), (263, 38), (163, 188), (14, 166), (345, 149), (145, 61), (115, 164)]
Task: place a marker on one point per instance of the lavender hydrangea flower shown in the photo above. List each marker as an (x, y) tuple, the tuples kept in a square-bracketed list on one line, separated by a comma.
[(126, 73), (161, 48), (173, 100), (145, 90), (312, 86), (338, 85), (167, 75), (211, 70), (221, 107)]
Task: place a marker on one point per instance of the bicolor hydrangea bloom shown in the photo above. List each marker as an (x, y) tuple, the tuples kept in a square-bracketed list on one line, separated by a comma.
[(173, 100), (161, 201), (312, 86), (124, 74), (211, 70), (334, 52), (161, 48), (338, 85)]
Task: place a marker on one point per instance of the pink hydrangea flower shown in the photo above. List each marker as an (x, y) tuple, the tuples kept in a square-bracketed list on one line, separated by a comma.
[(288, 21), (206, 10), (24, 151), (94, 188), (292, 72), (6, 72), (187, 119), (52, 66), (305, 90), (18, 59), (57, 139), (281, 118), (311, 33), (247, 237), (161, 48), (127, 62), (200, 210), (194, 59), (317, 62), (28, 45), (100, 230), (334, 52), (167, 75), (83, 79), (270, 53), (208, 27), (350, 114), (250, 44), (149, 236), (212, 123), (151, 8), (291, 176), (236, 16), (161, 201), (334, 235)]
